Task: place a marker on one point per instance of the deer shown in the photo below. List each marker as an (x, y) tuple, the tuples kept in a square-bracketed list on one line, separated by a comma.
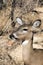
[(26, 33)]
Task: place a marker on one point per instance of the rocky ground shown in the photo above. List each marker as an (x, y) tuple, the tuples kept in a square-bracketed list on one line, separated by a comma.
[(14, 31)]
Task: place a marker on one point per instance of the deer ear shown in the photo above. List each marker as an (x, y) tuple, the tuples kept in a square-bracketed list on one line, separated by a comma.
[(19, 21), (37, 23)]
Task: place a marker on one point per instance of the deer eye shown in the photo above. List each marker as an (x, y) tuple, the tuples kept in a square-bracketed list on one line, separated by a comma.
[(25, 29), (37, 23)]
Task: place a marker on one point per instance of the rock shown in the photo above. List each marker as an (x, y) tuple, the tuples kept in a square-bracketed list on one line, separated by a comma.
[(38, 41)]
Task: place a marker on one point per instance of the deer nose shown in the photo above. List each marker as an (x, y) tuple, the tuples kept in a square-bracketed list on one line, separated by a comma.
[(13, 36)]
